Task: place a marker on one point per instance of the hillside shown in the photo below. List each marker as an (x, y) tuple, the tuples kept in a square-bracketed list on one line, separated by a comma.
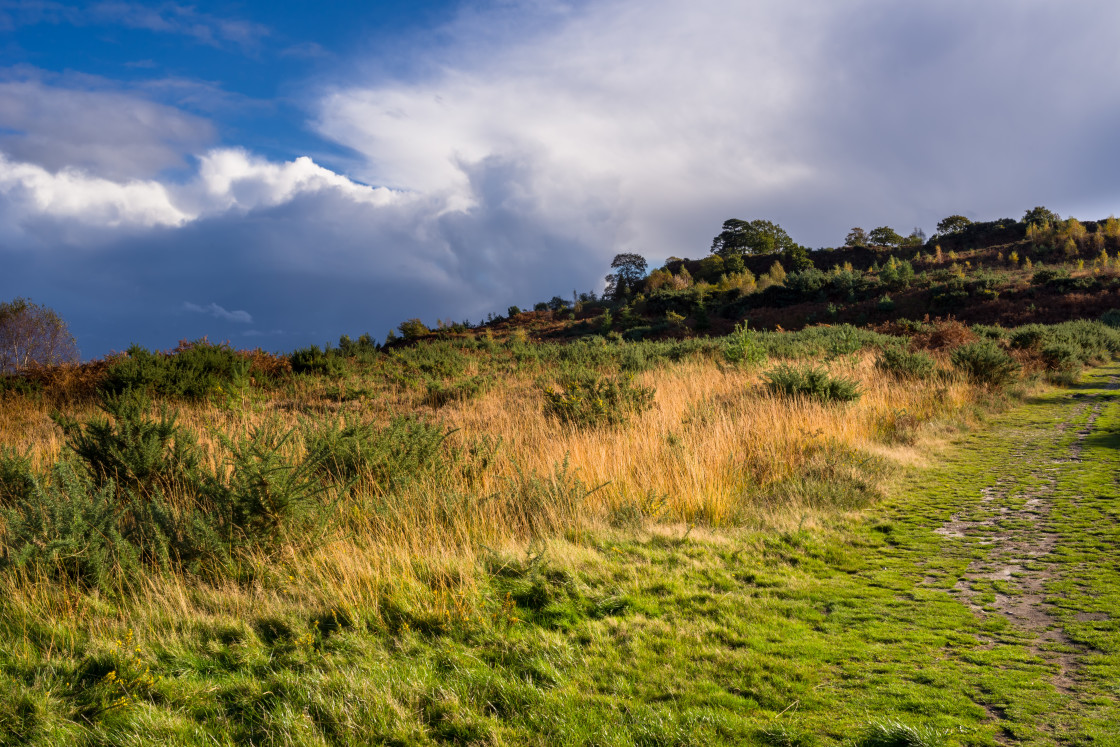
[(607, 524)]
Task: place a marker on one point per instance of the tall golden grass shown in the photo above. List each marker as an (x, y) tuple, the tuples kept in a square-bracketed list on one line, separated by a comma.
[(714, 450)]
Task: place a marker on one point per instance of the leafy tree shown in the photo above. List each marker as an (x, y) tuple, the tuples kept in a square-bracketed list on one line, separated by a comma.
[(856, 237), (741, 237), (884, 236), (797, 258), (630, 270), (953, 224), (1040, 216), (32, 335), (917, 237)]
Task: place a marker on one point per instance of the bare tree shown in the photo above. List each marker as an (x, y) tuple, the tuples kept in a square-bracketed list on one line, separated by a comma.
[(31, 336)]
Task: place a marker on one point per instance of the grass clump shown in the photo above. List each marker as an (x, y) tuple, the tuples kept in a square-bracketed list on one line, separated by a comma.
[(985, 363), (891, 733), (904, 364), (812, 382), (587, 399)]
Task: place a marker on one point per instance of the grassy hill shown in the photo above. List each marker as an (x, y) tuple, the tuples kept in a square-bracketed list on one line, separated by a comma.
[(603, 524)]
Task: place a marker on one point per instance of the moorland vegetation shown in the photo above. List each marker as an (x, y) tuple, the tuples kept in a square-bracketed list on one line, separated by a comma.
[(446, 538)]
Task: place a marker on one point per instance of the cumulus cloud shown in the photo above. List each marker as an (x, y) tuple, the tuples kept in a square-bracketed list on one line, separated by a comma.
[(216, 311)]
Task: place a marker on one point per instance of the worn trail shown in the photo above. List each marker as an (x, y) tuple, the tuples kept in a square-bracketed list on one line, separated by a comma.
[(1031, 546)]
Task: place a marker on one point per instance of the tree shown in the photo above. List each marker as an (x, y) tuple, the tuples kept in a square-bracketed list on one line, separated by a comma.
[(1040, 216), (856, 237), (797, 258), (953, 224), (917, 237), (884, 236), (31, 336), (741, 237), (630, 270)]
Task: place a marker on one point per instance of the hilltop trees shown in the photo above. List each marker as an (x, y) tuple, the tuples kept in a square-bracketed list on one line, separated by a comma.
[(857, 237), (32, 335), (884, 236), (1040, 216), (953, 224), (741, 237), (630, 270)]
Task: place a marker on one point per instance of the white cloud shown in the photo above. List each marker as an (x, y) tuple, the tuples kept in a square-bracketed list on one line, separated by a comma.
[(216, 311), (31, 191)]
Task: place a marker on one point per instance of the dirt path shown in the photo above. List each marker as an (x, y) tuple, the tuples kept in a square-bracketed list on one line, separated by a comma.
[(1019, 543)]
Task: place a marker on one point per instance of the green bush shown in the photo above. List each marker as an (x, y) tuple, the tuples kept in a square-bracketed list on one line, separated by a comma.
[(129, 448), (744, 347), (905, 364), (812, 382), (463, 390), (265, 494), (1111, 318), (387, 458), (194, 371), (70, 528), (985, 363), (16, 477), (590, 400), (312, 360)]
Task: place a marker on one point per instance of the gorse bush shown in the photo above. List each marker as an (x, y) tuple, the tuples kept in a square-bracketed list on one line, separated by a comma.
[(813, 382), (985, 363), (266, 493), (129, 448), (588, 399), (1069, 345), (193, 371), (905, 364), (744, 347), (313, 360), (386, 458), (439, 394), (16, 478)]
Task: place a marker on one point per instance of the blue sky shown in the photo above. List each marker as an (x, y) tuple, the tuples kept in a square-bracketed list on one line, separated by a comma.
[(277, 174)]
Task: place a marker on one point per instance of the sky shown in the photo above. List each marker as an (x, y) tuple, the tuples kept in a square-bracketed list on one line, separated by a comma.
[(277, 174)]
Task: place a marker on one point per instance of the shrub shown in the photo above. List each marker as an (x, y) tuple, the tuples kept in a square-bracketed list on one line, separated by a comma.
[(414, 328), (905, 364), (812, 382), (16, 478), (265, 494), (1111, 318), (440, 394), (743, 346), (985, 363), (388, 458), (132, 450), (590, 400), (194, 370), (886, 303), (312, 360), (68, 529)]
